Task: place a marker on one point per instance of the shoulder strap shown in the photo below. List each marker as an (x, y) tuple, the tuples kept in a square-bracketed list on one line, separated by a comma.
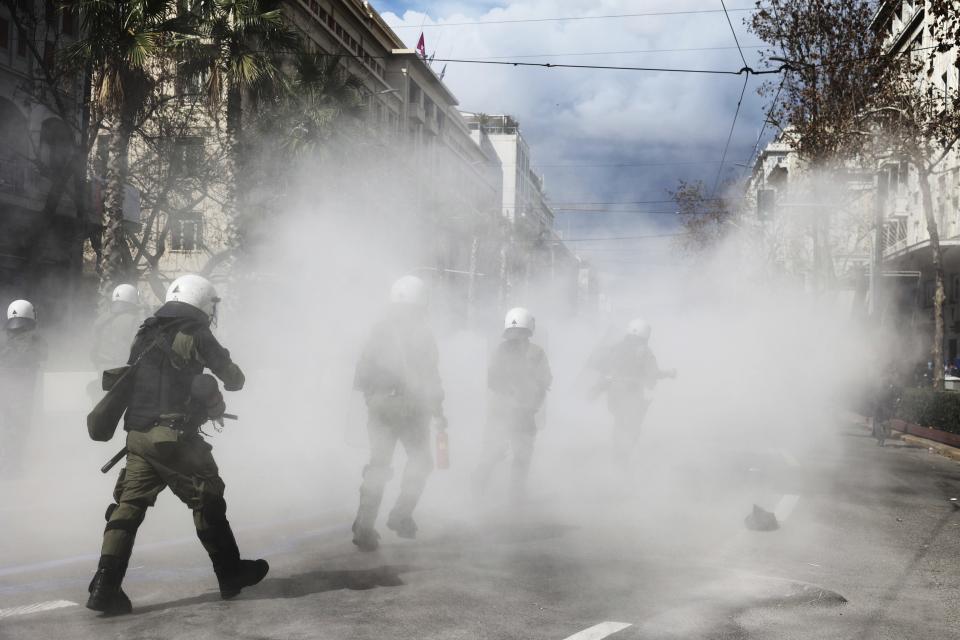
[(160, 341)]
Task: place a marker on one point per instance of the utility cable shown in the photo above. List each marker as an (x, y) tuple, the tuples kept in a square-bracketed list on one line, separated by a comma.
[(734, 32), (568, 18), (763, 129), (733, 126), (549, 65), (617, 53)]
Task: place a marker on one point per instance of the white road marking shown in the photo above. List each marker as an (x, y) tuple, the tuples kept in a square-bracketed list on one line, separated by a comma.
[(785, 507), (25, 609), (788, 458), (599, 631)]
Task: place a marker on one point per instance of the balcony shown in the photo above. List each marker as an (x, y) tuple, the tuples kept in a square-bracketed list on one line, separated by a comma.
[(895, 235), (415, 112)]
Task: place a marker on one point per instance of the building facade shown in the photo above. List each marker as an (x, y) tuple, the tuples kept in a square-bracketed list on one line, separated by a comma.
[(532, 251), (42, 189), (906, 296)]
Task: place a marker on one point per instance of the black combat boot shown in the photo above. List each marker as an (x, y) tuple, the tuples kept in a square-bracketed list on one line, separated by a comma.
[(105, 592), (366, 538), (402, 525), (235, 576)]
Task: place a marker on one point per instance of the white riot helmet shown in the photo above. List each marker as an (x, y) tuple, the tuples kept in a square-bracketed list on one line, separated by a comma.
[(639, 328), (519, 318), (21, 315), (125, 294), (196, 291), (409, 290)]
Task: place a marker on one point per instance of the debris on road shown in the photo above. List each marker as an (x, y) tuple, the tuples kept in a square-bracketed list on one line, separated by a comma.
[(761, 520)]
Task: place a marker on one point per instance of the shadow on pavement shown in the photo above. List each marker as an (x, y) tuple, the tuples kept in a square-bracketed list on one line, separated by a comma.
[(300, 585)]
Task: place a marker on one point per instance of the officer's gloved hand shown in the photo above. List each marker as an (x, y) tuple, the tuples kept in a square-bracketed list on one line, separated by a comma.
[(440, 422), (670, 373)]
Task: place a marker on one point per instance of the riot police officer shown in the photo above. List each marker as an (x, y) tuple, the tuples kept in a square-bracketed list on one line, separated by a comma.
[(400, 380), (629, 370), (165, 447), (22, 353), (115, 328), (518, 378)]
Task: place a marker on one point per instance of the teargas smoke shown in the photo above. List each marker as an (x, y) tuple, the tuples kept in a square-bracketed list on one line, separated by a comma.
[(762, 364)]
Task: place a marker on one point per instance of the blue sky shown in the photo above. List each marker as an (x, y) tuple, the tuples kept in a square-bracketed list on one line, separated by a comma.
[(597, 135)]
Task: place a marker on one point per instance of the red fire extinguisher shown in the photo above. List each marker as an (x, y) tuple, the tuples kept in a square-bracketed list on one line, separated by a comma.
[(443, 450)]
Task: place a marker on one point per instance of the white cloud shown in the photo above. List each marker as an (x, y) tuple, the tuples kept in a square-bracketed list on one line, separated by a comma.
[(580, 116)]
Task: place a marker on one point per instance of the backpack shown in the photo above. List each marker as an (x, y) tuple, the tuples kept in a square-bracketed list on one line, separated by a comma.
[(103, 419)]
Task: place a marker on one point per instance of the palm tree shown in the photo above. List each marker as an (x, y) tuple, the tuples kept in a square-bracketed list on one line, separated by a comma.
[(318, 95), (236, 48), (122, 41)]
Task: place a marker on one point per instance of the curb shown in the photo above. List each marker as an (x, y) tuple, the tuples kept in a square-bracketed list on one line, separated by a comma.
[(899, 432), (944, 450)]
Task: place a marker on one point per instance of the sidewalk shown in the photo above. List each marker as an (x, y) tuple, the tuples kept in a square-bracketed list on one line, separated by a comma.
[(932, 439)]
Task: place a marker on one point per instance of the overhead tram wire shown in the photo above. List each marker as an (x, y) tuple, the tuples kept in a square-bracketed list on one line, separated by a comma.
[(618, 53), (736, 114), (734, 32), (549, 65), (763, 129), (726, 147), (569, 18)]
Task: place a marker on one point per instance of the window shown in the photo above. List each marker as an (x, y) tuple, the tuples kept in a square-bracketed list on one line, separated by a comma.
[(314, 7), (21, 44), (50, 12), (185, 232), (187, 156), (4, 33)]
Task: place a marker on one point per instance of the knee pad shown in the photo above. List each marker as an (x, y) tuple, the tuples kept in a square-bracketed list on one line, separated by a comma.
[(110, 509), (126, 516)]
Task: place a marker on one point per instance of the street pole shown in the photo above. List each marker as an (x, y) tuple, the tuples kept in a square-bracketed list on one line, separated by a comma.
[(876, 308), (472, 282)]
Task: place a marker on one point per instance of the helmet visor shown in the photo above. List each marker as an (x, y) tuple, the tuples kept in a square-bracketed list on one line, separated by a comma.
[(20, 324)]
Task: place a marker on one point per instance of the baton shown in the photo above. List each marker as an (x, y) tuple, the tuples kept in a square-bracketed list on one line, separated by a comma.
[(112, 462)]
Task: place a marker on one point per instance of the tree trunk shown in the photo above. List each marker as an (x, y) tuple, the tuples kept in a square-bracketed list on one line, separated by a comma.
[(236, 170), (939, 294), (116, 259)]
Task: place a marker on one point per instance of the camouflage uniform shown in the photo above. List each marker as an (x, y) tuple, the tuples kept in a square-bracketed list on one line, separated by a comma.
[(164, 446)]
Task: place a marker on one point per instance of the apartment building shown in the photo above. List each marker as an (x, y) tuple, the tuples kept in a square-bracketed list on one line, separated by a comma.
[(908, 278), (535, 255)]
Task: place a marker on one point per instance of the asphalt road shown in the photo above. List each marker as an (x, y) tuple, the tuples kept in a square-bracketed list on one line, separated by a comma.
[(869, 547)]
